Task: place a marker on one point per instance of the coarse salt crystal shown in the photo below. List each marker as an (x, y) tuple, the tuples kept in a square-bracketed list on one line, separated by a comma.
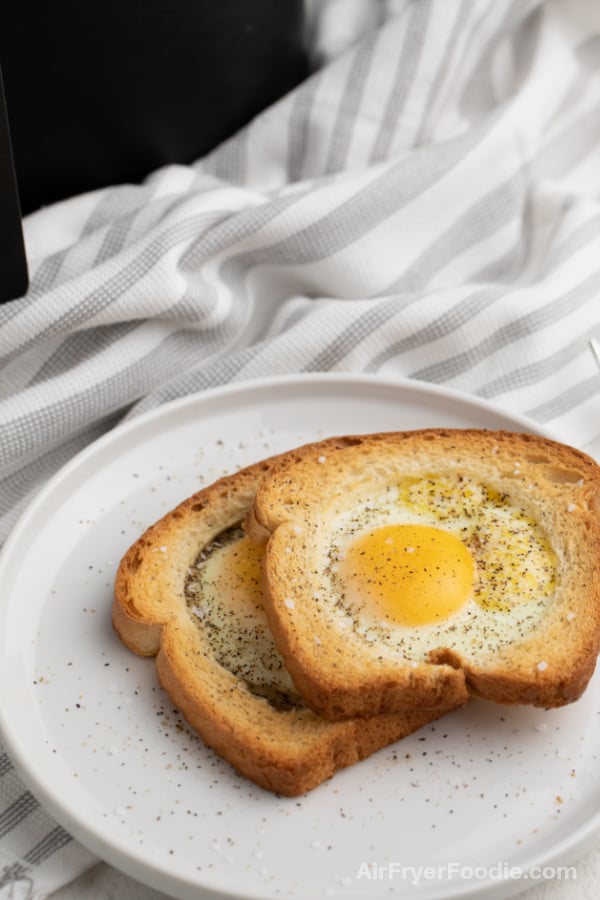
[(571, 507), (296, 529), (542, 666), (570, 616), (410, 549), (163, 549), (322, 459), (317, 640), (289, 603)]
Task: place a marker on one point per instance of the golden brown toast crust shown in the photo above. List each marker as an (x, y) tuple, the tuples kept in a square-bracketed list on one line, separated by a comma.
[(288, 752), (339, 676)]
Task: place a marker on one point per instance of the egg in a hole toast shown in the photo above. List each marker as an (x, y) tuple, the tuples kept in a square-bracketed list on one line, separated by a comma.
[(189, 592), (403, 567)]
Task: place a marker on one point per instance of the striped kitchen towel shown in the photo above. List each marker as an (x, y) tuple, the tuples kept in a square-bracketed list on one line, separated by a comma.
[(426, 204)]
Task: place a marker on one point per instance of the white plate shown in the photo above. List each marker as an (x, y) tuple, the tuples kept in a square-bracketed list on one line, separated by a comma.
[(97, 741)]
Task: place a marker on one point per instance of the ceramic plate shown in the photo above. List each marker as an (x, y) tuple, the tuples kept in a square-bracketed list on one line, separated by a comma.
[(461, 808)]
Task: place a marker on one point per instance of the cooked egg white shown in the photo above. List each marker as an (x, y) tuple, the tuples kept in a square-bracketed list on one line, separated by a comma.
[(223, 593), (439, 561)]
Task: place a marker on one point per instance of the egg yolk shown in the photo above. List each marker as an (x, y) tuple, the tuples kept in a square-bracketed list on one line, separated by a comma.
[(409, 574), (244, 566)]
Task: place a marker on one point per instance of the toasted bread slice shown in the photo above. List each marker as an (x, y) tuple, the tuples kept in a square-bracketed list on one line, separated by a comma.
[(403, 566), (189, 591)]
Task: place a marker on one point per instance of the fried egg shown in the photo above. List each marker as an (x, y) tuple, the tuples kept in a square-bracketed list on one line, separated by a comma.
[(224, 595), (441, 560)]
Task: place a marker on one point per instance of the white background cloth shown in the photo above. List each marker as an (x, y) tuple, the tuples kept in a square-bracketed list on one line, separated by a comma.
[(427, 204)]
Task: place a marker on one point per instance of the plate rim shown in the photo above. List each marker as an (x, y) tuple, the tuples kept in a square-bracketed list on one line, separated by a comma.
[(263, 383)]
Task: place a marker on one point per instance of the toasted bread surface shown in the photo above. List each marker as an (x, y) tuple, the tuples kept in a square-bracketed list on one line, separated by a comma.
[(187, 592), (528, 510)]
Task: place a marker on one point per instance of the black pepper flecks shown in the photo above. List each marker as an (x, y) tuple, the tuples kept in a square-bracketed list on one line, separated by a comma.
[(515, 565), (237, 632)]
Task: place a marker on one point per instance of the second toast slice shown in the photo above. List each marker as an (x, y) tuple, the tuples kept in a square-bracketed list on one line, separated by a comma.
[(189, 592)]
